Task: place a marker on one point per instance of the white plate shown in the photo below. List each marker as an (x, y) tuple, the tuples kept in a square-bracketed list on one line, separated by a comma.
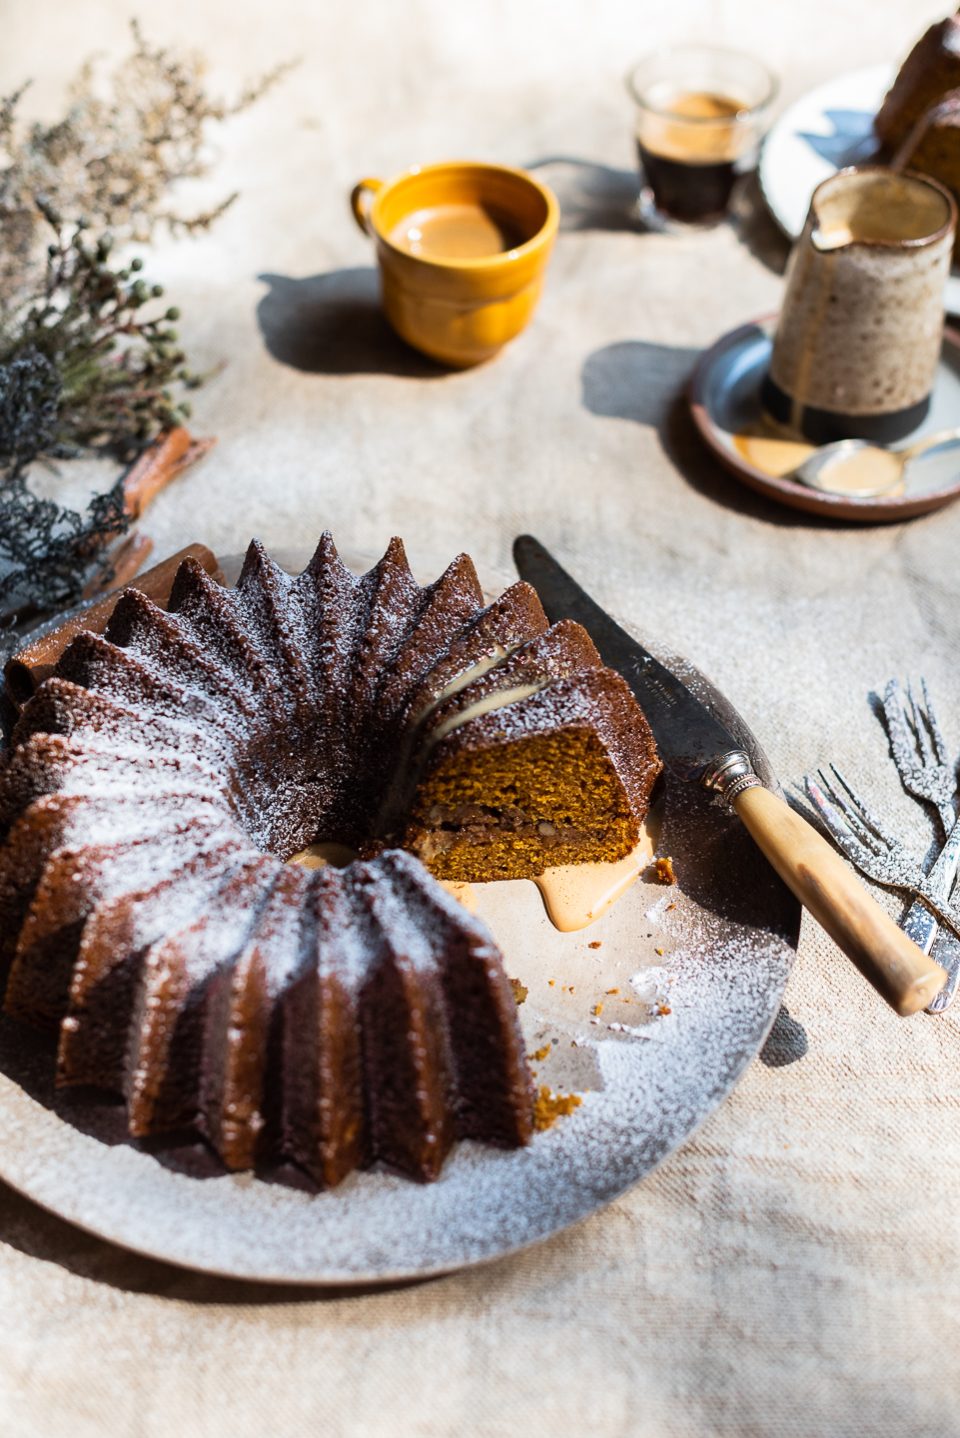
[(826, 129), (716, 949)]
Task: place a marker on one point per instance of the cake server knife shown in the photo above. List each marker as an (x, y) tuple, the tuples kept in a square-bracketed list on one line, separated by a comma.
[(696, 748)]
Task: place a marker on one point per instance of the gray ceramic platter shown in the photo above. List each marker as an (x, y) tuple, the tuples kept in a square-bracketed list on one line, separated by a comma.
[(725, 402), (715, 950)]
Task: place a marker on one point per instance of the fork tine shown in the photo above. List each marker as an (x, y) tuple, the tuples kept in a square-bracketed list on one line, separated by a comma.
[(941, 748), (893, 712), (869, 820), (920, 728), (848, 816), (847, 839)]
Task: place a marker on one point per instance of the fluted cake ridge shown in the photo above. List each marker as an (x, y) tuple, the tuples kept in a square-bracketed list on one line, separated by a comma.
[(158, 783)]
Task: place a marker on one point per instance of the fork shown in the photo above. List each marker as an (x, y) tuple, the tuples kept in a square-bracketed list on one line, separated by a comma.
[(919, 752), (923, 763), (875, 851)]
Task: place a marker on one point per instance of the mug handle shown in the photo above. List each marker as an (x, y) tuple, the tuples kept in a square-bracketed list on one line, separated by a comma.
[(361, 211)]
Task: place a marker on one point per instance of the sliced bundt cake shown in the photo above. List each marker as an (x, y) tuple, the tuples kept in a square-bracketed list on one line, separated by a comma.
[(158, 784)]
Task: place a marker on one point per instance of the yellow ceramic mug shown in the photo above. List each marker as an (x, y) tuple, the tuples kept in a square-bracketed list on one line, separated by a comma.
[(462, 249)]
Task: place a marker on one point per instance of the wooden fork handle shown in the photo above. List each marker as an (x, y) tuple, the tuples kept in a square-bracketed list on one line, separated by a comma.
[(899, 971)]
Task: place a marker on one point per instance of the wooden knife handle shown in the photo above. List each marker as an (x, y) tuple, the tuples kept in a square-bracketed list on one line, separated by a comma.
[(905, 976)]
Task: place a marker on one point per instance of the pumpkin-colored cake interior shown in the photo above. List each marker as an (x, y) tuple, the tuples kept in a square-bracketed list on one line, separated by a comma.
[(513, 811)]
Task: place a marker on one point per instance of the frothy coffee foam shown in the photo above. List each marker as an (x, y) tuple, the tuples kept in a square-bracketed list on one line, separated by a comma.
[(695, 126), (455, 232), (879, 214)]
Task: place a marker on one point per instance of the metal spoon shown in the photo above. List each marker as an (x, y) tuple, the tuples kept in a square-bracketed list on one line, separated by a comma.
[(865, 470)]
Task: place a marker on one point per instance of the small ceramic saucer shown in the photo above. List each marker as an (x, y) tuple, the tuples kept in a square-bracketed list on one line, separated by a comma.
[(725, 402), (826, 129)]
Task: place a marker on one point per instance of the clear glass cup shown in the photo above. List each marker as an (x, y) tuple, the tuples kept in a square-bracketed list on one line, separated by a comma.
[(700, 115)]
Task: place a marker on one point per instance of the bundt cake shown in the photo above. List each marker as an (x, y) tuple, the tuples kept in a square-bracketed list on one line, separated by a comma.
[(159, 782)]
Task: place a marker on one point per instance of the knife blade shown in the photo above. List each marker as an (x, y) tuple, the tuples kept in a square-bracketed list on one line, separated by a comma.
[(688, 737), (697, 748)]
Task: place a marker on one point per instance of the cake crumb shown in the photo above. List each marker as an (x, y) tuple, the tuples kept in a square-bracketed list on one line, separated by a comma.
[(597, 1009), (664, 1009), (613, 991), (665, 871), (520, 991), (551, 983), (658, 951), (540, 1054), (596, 944), (548, 1107)]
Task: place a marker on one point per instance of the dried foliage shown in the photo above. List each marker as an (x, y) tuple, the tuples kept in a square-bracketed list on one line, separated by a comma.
[(89, 362), (110, 345), (124, 141), (44, 550)]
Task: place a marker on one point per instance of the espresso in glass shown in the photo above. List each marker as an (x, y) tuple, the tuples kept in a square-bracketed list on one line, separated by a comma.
[(699, 113), (689, 154)]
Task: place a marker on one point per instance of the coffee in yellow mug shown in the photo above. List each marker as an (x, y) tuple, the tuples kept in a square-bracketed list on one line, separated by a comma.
[(463, 250)]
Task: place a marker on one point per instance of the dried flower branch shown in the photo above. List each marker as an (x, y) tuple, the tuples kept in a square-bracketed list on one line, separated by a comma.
[(90, 364), (110, 344), (124, 141), (89, 361), (44, 549)]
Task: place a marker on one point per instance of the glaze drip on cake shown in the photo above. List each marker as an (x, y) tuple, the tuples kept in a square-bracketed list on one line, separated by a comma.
[(158, 784)]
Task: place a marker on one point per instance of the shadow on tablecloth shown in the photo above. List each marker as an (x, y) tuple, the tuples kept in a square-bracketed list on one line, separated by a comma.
[(333, 324), (32, 1231), (592, 197), (600, 197), (646, 382), (786, 1043)]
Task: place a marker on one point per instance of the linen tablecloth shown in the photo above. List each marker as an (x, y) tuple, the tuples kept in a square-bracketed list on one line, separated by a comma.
[(792, 1270)]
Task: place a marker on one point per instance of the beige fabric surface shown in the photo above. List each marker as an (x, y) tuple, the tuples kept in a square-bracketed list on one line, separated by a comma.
[(793, 1269)]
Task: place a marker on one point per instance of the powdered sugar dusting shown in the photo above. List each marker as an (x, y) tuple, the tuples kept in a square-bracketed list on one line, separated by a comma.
[(642, 1093), (726, 950)]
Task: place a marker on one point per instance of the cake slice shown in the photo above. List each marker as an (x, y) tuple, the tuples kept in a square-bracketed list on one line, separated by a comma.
[(533, 776), (490, 637)]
